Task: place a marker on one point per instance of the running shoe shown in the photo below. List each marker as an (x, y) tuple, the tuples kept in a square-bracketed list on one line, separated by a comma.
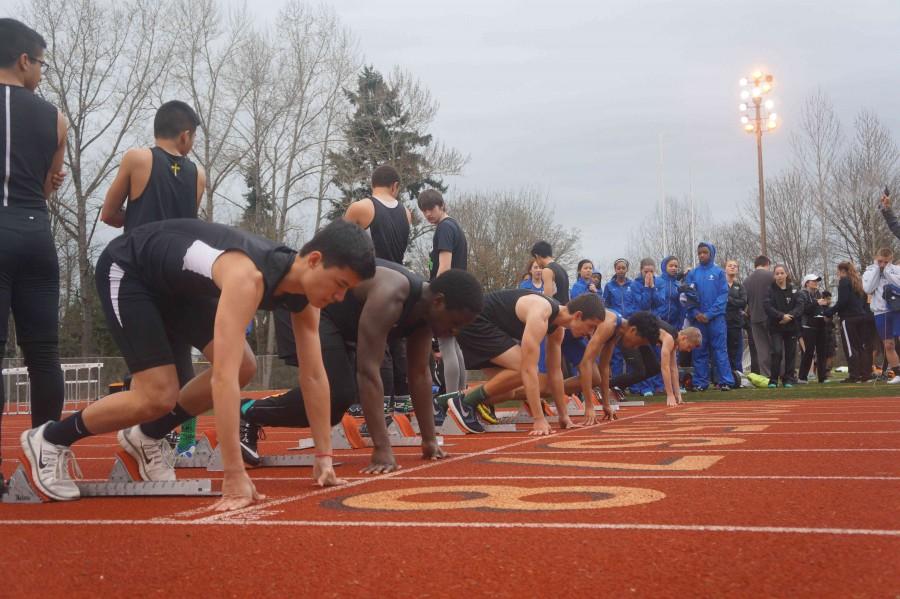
[(788, 386), (724, 387), (486, 412), (439, 412), (154, 457), (364, 429), (618, 393), (773, 385), (894, 381), (249, 436), (49, 465), (403, 404), (463, 415), (648, 393), (356, 410), (173, 438)]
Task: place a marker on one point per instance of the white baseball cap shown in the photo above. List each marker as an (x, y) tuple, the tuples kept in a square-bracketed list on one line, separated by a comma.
[(809, 278)]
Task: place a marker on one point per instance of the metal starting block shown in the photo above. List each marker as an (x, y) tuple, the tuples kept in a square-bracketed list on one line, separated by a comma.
[(203, 453), (121, 483), (266, 461)]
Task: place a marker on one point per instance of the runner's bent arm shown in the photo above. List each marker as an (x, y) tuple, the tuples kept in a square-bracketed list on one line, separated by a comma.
[(111, 213), (535, 331), (554, 374)]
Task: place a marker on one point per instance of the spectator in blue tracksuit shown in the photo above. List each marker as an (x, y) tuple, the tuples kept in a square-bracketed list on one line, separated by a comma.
[(647, 297), (618, 296), (711, 286), (585, 282), (667, 285)]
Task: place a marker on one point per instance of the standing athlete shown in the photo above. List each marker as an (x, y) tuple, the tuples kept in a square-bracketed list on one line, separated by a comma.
[(449, 250), (201, 283), (160, 183), (32, 147), (388, 221), (395, 303)]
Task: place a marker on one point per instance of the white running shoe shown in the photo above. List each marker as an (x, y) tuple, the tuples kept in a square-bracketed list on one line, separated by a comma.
[(894, 381), (49, 465), (155, 457)]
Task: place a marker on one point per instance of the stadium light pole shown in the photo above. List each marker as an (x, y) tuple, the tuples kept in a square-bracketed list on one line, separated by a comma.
[(757, 117)]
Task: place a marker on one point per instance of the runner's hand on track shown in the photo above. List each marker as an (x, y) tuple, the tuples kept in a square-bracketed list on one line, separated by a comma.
[(432, 451), (382, 462), (567, 423), (671, 400), (541, 428), (323, 473), (238, 492), (590, 416)]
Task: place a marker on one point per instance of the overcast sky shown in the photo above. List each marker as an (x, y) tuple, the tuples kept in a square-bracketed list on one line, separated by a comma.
[(571, 96)]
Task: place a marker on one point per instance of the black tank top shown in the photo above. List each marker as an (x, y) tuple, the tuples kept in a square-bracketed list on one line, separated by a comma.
[(171, 191), (28, 140), (562, 283), (665, 326), (346, 314), (500, 310), (174, 258), (390, 231)]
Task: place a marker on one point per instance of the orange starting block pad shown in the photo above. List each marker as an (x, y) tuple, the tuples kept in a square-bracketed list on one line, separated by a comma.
[(346, 435)]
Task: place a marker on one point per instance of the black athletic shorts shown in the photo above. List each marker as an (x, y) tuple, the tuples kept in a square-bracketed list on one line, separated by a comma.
[(144, 327), (481, 342)]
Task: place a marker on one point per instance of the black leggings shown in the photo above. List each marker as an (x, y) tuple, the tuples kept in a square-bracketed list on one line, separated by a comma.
[(640, 364), (29, 287), (288, 409), (393, 368), (815, 342), (783, 360)]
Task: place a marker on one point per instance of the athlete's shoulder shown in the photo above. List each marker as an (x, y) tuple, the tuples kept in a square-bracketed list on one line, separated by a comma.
[(137, 157), (361, 212)]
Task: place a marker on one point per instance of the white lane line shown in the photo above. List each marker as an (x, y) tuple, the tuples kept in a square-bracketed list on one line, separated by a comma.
[(728, 528), (265, 505), (613, 476), (602, 450)]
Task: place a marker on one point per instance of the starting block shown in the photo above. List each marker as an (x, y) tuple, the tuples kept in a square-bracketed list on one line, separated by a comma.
[(203, 453), (346, 435), (266, 461), (122, 482)]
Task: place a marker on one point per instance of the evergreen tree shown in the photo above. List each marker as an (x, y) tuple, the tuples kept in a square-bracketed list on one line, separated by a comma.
[(259, 211), (380, 132)]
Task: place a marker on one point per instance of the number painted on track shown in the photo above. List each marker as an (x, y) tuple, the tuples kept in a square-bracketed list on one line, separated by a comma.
[(501, 497), (619, 443), (688, 463)]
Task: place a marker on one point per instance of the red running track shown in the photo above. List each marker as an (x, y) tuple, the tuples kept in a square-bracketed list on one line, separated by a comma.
[(744, 499)]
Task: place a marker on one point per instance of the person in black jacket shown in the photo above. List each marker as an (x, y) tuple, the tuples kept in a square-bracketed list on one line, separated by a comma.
[(734, 319), (813, 328), (784, 314), (851, 307)]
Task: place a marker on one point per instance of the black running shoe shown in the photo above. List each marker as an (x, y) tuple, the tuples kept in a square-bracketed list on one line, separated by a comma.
[(463, 415), (439, 412), (364, 429), (618, 394), (356, 411), (249, 434)]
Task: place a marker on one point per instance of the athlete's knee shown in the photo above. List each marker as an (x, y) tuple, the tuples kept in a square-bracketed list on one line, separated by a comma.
[(40, 356), (159, 394)]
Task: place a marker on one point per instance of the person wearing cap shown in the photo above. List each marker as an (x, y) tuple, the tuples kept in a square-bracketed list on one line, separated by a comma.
[(597, 279), (813, 328)]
